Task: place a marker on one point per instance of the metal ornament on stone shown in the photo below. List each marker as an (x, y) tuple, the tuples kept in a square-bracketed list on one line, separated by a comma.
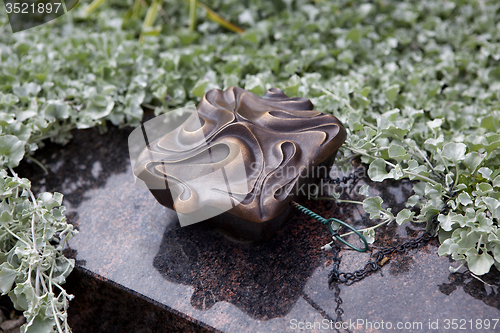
[(262, 149), (333, 225)]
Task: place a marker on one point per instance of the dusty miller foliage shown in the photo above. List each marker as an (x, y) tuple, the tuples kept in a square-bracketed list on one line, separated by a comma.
[(416, 83)]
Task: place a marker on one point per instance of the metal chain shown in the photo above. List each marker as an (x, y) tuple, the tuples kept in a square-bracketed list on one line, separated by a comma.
[(334, 286), (381, 257), (343, 181)]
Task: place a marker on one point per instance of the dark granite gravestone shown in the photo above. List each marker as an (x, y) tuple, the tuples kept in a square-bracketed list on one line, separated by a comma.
[(139, 271)]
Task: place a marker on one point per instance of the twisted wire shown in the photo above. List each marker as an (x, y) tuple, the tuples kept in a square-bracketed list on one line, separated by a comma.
[(310, 213)]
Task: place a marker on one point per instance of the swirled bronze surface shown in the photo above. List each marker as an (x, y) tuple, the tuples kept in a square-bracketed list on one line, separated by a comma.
[(280, 139)]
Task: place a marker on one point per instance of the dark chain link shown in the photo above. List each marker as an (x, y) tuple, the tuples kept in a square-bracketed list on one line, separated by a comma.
[(354, 176), (334, 286), (381, 257)]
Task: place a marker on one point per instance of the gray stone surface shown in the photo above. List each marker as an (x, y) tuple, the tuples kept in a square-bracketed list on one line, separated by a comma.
[(127, 239)]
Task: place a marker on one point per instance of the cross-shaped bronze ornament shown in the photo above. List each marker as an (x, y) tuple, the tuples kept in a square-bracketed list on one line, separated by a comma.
[(241, 158)]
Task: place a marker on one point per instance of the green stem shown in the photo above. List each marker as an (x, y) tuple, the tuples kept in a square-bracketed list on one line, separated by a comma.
[(445, 165), (420, 176), (370, 125), (394, 165), (218, 19), (375, 137), (151, 15), (350, 201), (37, 162), (456, 177), (338, 98), (193, 4), (367, 229), (136, 8), (93, 6), (16, 236), (54, 312), (425, 158), (63, 291), (353, 202), (368, 155), (35, 249)]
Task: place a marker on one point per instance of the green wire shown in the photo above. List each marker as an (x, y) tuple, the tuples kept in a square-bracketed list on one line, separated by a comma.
[(328, 223)]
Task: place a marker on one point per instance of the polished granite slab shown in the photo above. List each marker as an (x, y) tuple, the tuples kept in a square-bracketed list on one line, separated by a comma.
[(139, 271)]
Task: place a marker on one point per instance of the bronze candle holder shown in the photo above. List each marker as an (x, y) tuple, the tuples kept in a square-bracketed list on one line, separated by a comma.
[(240, 160)]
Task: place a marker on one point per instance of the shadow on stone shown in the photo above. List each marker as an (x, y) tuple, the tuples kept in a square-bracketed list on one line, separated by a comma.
[(488, 293), (263, 280), (83, 164)]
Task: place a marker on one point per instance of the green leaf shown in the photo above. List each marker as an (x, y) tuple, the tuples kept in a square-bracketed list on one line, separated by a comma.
[(493, 142), (435, 143), (391, 93), (199, 88), (412, 201), (373, 206), (23, 296), (398, 153), (12, 149), (40, 324), (369, 235), (397, 172), (485, 172), (231, 81), (494, 74), (491, 122), (27, 90), (479, 264), (100, 106), (448, 247), (473, 160), (496, 251), (464, 198), (493, 206), (7, 277), (483, 189), (346, 56), (445, 222), (5, 217), (95, 4), (254, 84), (454, 151), (397, 129), (8, 99), (364, 190), (404, 215), (496, 181), (292, 88), (31, 111), (448, 221), (436, 123), (58, 198), (377, 171), (354, 34), (48, 200), (56, 110)]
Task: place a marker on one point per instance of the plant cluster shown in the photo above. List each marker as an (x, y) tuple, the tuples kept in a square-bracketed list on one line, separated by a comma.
[(416, 84), (33, 233)]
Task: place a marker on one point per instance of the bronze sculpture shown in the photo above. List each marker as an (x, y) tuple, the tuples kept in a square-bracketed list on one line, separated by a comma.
[(266, 146)]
